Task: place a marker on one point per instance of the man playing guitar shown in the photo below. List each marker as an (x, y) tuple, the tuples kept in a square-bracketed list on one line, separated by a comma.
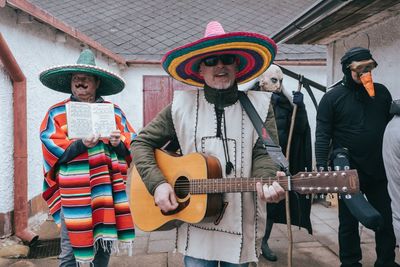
[(212, 121)]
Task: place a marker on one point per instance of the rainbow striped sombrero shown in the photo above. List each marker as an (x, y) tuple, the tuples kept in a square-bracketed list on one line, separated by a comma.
[(255, 52)]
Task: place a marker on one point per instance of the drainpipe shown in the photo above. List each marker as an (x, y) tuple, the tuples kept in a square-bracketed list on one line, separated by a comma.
[(20, 144)]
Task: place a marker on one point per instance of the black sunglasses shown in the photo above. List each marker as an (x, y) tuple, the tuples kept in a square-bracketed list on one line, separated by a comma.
[(226, 59)]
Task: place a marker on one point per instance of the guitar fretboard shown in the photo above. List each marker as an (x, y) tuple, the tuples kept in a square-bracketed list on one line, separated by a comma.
[(303, 183), (203, 186)]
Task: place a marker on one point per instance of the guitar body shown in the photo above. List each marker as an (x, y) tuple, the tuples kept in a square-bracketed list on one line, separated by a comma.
[(195, 179), (178, 170)]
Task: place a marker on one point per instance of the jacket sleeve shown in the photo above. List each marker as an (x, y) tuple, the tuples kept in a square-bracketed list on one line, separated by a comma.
[(75, 149), (263, 165), (324, 131), (155, 135)]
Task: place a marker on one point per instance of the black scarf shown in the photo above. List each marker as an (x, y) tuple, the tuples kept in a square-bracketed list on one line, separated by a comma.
[(222, 98)]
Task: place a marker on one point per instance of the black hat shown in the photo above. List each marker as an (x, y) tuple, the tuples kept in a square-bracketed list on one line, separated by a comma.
[(355, 54)]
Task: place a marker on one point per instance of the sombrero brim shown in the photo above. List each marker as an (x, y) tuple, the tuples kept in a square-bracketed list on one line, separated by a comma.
[(255, 52), (59, 78)]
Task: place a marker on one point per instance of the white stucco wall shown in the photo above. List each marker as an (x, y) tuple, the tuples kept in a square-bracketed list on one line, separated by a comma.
[(35, 48), (6, 126), (384, 39)]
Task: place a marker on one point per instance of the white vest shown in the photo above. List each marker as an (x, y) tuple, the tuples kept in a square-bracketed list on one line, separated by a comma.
[(237, 238)]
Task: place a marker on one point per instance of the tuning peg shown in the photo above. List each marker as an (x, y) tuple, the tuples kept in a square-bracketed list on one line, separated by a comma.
[(327, 189), (347, 196), (329, 168), (305, 169), (337, 168), (321, 169), (346, 168)]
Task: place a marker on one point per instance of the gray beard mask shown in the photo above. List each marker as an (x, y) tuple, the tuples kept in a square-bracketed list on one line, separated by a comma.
[(271, 79)]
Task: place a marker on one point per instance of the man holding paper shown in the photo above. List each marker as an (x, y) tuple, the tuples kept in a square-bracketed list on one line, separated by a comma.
[(85, 172)]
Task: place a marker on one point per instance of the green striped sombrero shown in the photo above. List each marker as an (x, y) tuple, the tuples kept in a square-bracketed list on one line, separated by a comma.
[(254, 51), (59, 77)]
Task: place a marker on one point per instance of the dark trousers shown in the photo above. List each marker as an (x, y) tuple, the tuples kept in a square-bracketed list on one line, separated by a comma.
[(349, 238)]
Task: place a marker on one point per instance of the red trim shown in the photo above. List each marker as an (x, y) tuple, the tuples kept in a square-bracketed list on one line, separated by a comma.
[(314, 62), (311, 62), (144, 62)]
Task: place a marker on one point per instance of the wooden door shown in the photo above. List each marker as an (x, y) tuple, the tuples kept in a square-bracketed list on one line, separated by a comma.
[(158, 93)]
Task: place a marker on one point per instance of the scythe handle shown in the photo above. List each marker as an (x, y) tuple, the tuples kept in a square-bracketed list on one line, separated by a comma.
[(288, 219)]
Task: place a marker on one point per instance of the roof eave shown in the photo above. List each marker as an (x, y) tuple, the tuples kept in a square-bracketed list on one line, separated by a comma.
[(335, 21)]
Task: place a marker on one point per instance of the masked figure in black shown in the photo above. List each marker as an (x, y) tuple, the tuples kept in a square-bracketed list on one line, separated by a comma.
[(300, 151), (353, 116)]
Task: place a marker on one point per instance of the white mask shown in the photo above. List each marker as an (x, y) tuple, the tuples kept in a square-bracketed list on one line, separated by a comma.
[(271, 79)]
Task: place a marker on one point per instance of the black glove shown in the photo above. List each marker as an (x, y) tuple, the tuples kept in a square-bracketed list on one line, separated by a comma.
[(275, 98), (298, 98)]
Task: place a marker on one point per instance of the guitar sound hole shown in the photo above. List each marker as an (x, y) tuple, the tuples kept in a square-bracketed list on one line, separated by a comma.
[(182, 187)]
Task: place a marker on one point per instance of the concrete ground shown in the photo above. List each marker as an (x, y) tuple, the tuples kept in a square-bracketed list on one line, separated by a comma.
[(156, 249)]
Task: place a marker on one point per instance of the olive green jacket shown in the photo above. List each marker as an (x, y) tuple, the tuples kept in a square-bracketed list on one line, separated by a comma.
[(161, 130)]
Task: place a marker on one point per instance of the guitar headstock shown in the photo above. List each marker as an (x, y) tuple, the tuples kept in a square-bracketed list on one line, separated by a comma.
[(345, 181)]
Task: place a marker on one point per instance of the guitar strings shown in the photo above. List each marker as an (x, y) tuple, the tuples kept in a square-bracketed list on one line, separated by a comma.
[(223, 182)]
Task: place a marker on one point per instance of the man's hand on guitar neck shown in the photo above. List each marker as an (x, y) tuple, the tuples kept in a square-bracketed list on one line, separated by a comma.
[(164, 197), (271, 193)]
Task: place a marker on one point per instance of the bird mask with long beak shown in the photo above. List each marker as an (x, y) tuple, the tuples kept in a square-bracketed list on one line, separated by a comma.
[(363, 69), (360, 61)]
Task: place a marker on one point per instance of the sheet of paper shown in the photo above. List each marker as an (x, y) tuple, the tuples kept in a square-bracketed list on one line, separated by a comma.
[(103, 119), (79, 120)]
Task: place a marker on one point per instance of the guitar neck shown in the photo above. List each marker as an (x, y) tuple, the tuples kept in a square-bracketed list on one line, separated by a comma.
[(303, 183), (232, 185)]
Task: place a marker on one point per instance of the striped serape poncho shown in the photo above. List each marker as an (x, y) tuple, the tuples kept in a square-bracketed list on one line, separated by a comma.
[(90, 188)]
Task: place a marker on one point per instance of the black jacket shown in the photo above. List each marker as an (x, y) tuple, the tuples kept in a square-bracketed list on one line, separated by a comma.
[(300, 149), (347, 117)]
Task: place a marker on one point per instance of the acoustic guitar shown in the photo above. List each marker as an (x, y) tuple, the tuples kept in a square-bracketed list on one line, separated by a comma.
[(196, 180)]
